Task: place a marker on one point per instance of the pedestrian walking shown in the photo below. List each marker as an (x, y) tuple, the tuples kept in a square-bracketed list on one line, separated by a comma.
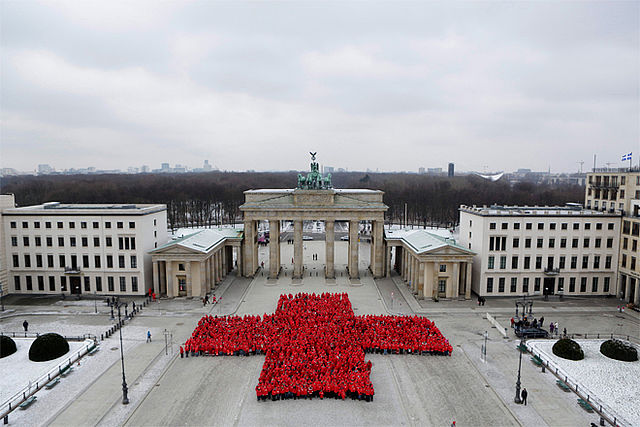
[(551, 328), (555, 327), (541, 321), (148, 336), (564, 331), (25, 325), (154, 296), (524, 395)]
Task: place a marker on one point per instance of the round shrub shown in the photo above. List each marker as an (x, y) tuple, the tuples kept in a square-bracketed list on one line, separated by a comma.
[(7, 346), (48, 347), (619, 350), (568, 349)]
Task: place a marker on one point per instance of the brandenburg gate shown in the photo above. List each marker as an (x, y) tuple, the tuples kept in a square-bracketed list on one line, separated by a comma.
[(313, 199)]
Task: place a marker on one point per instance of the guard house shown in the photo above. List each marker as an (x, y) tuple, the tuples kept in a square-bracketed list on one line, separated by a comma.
[(431, 265), (196, 262), (313, 199)]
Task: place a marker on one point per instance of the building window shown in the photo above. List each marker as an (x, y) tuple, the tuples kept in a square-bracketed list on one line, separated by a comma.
[(514, 285), (501, 281), (38, 240), (528, 225), (626, 227), (572, 284), (539, 243), (181, 266), (527, 262), (25, 224), (527, 243), (121, 261), (83, 224), (96, 224), (110, 286), (606, 284), (120, 224), (574, 262), (504, 226), (550, 263), (121, 243), (36, 224), (41, 283), (108, 242), (443, 267), (552, 243), (134, 284), (98, 284), (564, 226), (123, 284), (610, 226), (598, 226), (50, 261), (61, 242), (29, 283), (560, 284), (96, 242), (27, 260), (72, 224), (489, 285), (85, 261), (634, 245), (587, 226), (585, 261), (62, 261), (25, 240), (576, 226), (96, 261), (492, 226), (13, 224), (87, 284), (633, 263), (49, 241), (47, 224), (594, 284), (538, 262), (38, 261), (536, 284), (85, 242), (574, 243), (132, 224), (516, 226), (561, 264), (63, 283), (596, 262), (59, 224), (16, 283), (583, 284), (607, 262), (514, 262), (109, 261), (552, 226), (14, 241), (72, 241), (133, 243), (586, 242), (516, 242), (540, 226), (503, 262), (525, 285), (490, 266), (107, 224), (16, 261), (610, 242)]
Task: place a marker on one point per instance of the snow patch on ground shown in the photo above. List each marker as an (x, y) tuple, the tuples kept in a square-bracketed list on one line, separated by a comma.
[(614, 383), (18, 371)]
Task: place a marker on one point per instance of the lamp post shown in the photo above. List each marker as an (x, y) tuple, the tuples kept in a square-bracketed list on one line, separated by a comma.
[(95, 301), (517, 398), (2, 297), (484, 348), (125, 398)]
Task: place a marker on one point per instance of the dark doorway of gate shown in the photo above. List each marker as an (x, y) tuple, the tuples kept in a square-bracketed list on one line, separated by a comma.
[(74, 282), (549, 285)]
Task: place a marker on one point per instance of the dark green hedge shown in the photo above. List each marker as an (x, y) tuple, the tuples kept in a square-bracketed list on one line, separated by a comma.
[(568, 349), (619, 350), (48, 347), (7, 346)]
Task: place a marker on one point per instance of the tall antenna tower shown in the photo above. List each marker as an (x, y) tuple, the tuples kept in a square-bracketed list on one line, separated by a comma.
[(580, 163)]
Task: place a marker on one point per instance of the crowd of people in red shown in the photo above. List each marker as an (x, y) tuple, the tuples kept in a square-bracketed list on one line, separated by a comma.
[(314, 344)]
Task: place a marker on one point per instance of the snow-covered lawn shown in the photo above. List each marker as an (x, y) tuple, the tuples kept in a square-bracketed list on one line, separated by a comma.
[(17, 370), (616, 384)]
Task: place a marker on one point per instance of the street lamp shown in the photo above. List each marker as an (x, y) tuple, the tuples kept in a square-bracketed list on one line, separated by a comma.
[(125, 399), (484, 348), (95, 301), (517, 399)]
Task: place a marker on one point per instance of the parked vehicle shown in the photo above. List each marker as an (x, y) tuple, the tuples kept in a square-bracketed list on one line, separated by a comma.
[(532, 333)]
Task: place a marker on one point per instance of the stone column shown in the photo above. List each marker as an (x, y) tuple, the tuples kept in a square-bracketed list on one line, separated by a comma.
[(421, 280), (214, 270), (170, 289), (330, 237), (406, 266), (240, 260), (189, 279), (436, 273), (636, 294), (249, 243), (297, 249), (223, 253), (467, 288), (207, 274), (203, 282), (388, 262), (456, 279), (353, 249), (274, 248), (416, 272), (156, 278), (377, 242), (427, 289)]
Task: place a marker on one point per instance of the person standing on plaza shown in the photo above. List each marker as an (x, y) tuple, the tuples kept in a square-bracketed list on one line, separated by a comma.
[(25, 325), (555, 327), (524, 395), (541, 321), (148, 336)]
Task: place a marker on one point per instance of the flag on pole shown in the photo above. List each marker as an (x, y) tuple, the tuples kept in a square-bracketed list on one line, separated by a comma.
[(626, 157)]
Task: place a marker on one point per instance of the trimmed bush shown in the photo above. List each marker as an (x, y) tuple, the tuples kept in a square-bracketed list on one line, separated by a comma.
[(619, 350), (568, 349), (7, 346), (48, 347)]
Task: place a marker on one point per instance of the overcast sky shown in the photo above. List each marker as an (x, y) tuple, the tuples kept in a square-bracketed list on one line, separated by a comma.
[(380, 85)]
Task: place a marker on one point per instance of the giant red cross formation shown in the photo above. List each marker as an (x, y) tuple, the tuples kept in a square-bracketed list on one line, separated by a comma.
[(315, 345)]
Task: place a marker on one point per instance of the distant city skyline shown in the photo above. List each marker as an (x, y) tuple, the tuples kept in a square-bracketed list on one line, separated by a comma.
[(386, 86)]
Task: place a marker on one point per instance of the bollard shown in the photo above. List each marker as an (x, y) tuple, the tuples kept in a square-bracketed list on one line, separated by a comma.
[(6, 418), (101, 337), (543, 368), (601, 421)]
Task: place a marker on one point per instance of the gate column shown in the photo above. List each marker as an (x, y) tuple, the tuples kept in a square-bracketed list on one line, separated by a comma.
[(329, 227), (353, 249), (274, 248), (297, 249)]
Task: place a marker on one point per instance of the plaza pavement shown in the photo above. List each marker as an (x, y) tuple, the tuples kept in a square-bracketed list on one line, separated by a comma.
[(410, 390)]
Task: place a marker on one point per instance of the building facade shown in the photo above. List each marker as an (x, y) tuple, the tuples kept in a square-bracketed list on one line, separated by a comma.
[(618, 190), (80, 248), (541, 250)]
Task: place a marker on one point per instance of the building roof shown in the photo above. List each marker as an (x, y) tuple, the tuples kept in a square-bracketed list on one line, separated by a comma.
[(57, 208), (573, 209), (422, 241), (202, 240)]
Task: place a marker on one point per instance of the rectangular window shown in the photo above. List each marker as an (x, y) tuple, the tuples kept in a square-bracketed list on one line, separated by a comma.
[(134, 284), (72, 224), (503, 262), (108, 242), (107, 224), (576, 226), (132, 224), (41, 283), (516, 242), (491, 263), (574, 243), (61, 242), (585, 261), (560, 284), (564, 226), (62, 261), (96, 261), (83, 224), (36, 224), (49, 241), (516, 225), (25, 240), (525, 285), (501, 281), (27, 260), (489, 285), (52, 284), (47, 224), (85, 242), (63, 283), (598, 242), (29, 283), (596, 262), (607, 262), (623, 263), (586, 242), (121, 243), (527, 262), (96, 224), (540, 226), (633, 263), (121, 261), (123, 284), (514, 262), (25, 224), (59, 224), (552, 226), (610, 243), (550, 263), (536, 284), (492, 226), (98, 284), (72, 241), (120, 224), (85, 261), (610, 226), (133, 243), (561, 264), (587, 226), (539, 243), (606, 284), (443, 267), (574, 262), (126, 243), (528, 225), (13, 224), (563, 243), (109, 261), (110, 285), (16, 261), (96, 242), (538, 262), (626, 227), (514, 285), (594, 284), (14, 241), (552, 243), (572, 284), (527, 243), (38, 240), (583, 284), (504, 225), (87, 284), (16, 283), (634, 245), (39, 261)]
